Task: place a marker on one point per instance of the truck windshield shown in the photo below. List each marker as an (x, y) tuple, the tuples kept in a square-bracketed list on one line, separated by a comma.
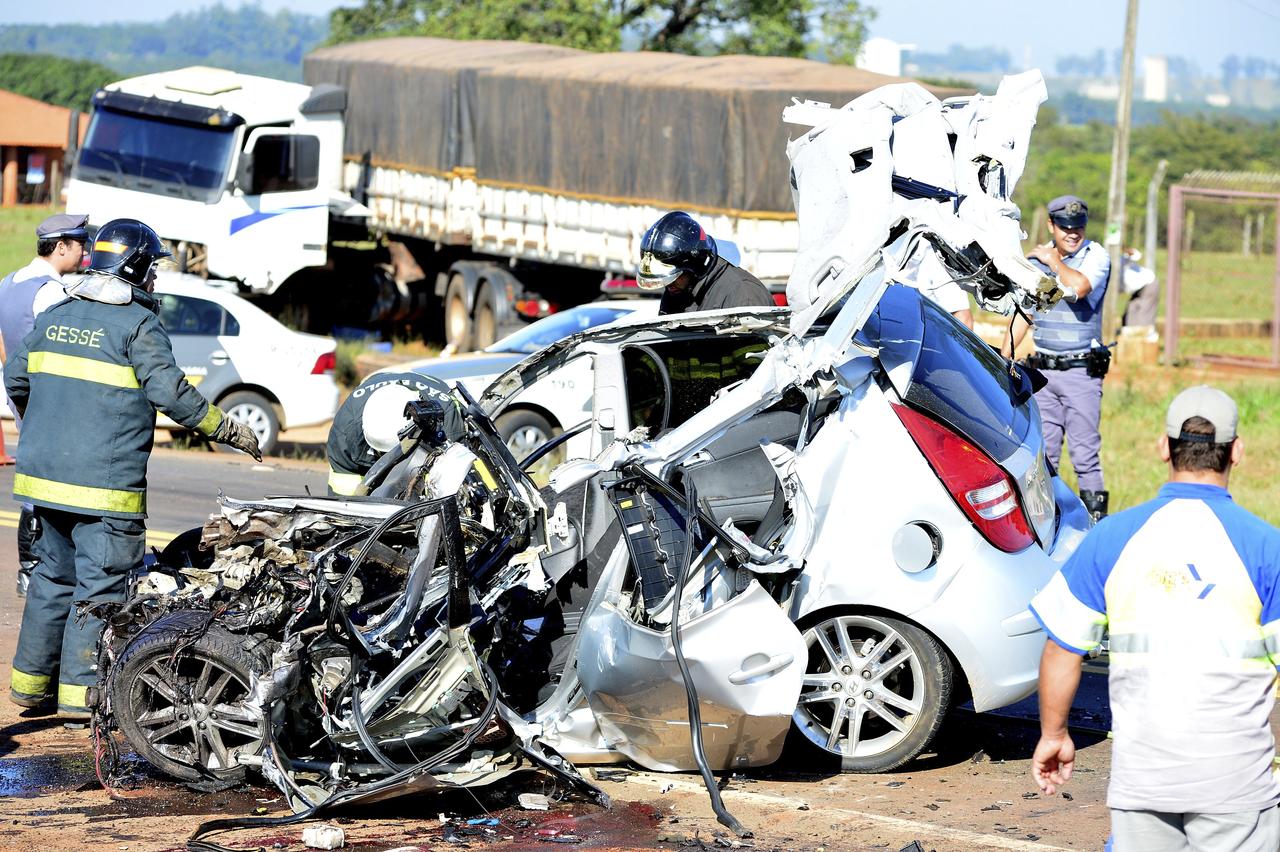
[(155, 155)]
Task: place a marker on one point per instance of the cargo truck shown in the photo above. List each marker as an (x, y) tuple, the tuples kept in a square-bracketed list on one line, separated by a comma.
[(501, 181)]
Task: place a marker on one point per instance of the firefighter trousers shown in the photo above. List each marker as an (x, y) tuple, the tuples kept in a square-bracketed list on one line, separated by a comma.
[(81, 559)]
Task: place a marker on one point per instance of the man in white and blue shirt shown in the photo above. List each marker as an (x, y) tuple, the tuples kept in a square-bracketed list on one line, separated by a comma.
[(1188, 587)]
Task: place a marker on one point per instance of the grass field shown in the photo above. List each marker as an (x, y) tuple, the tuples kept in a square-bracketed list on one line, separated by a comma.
[(1133, 406), (18, 235)]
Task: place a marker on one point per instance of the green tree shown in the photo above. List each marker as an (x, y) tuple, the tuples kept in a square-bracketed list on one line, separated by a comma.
[(52, 79), (832, 29)]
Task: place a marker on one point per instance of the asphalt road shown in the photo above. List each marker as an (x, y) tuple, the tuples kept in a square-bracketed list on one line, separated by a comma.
[(183, 486)]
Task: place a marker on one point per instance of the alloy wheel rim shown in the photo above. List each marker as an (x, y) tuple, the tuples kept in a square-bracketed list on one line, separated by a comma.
[(863, 689), (195, 712)]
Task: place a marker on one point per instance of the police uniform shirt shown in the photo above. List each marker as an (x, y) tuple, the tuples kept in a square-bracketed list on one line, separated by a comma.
[(1188, 585), (1074, 326)]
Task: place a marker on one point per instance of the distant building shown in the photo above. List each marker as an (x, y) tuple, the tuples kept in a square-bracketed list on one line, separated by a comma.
[(1101, 91), (882, 55), (1155, 79), (33, 143)]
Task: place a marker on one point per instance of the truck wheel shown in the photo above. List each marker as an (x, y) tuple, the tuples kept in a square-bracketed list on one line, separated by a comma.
[(256, 412), (457, 319), (875, 692), (182, 703), (485, 328)]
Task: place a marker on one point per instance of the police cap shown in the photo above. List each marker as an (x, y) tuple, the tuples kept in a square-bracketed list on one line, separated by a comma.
[(63, 226), (1069, 211)]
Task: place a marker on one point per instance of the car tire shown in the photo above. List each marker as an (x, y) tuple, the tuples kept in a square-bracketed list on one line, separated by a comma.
[(484, 329), (255, 411), (457, 318), (185, 714), (897, 676)]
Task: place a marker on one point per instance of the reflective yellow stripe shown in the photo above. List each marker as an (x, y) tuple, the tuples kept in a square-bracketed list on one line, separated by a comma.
[(28, 684), (344, 483), (109, 246), (86, 369), (211, 421), (483, 470), (194, 379), (70, 695), (79, 496)]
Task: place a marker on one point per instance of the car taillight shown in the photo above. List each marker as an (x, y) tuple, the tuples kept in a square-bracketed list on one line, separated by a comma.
[(980, 487), (326, 363)]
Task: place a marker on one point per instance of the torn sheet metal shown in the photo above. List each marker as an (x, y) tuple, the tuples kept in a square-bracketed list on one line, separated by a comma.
[(747, 660)]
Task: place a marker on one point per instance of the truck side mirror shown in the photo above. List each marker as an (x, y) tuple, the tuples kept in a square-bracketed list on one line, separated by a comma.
[(244, 173)]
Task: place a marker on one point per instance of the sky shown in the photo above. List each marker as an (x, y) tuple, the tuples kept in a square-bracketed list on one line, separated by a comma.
[(1204, 32)]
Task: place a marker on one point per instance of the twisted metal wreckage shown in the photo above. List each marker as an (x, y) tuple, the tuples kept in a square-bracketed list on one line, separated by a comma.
[(353, 650)]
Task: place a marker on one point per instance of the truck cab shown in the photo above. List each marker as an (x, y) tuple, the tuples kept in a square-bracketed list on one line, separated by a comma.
[(237, 173)]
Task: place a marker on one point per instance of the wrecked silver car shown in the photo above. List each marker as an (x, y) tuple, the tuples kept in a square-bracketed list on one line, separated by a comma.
[(821, 525)]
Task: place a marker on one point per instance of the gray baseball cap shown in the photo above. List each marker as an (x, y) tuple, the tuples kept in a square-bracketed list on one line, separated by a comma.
[(63, 226), (1207, 402)]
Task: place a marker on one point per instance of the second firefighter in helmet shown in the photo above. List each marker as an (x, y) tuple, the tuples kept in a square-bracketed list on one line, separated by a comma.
[(680, 258)]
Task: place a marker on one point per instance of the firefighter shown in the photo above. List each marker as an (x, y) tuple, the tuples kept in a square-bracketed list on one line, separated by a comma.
[(87, 381), (366, 425), (680, 258)]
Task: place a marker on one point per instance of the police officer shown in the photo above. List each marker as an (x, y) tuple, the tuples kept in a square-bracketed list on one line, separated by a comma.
[(87, 381), (1068, 347), (365, 426), (680, 258), (24, 294)]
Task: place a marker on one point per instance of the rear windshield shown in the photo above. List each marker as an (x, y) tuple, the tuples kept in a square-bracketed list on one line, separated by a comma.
[(962, 381), (956, 377)]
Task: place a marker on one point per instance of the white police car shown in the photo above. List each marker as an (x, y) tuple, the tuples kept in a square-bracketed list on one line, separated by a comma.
[(263, 374)]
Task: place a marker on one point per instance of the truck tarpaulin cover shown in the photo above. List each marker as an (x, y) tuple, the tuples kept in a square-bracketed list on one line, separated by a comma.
[(704, 133)]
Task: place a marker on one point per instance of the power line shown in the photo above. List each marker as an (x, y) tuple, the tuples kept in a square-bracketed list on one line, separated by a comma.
[(1260, 11)]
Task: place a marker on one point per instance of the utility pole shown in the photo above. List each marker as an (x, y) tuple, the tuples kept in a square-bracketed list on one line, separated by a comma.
[(1153, 204), (1114, 239)]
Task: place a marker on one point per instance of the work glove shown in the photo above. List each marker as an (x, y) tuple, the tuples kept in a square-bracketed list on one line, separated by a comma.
[(235, 434)]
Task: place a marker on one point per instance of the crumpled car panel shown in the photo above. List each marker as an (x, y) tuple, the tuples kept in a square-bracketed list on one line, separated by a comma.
[(747, 660)]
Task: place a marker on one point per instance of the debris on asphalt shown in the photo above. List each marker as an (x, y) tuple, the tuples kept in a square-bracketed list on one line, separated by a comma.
[(896, 784), (978, 756), (992, 808), (1067, 796), (803, 806), (913, 846), (601, 774), (931, 806), (1030, 795), (533, 801), (323, 837), (667, 788), (488, 821)]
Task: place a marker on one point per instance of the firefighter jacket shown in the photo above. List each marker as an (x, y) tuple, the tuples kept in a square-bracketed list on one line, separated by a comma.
[(87, 381), (724, 286)]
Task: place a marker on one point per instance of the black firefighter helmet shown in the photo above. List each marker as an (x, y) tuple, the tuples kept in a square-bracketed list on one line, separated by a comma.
[(674, 245), (126, 249)]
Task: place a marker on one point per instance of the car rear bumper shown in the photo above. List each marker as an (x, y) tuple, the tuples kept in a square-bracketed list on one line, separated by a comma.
[(983, 618), (308, 401)]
